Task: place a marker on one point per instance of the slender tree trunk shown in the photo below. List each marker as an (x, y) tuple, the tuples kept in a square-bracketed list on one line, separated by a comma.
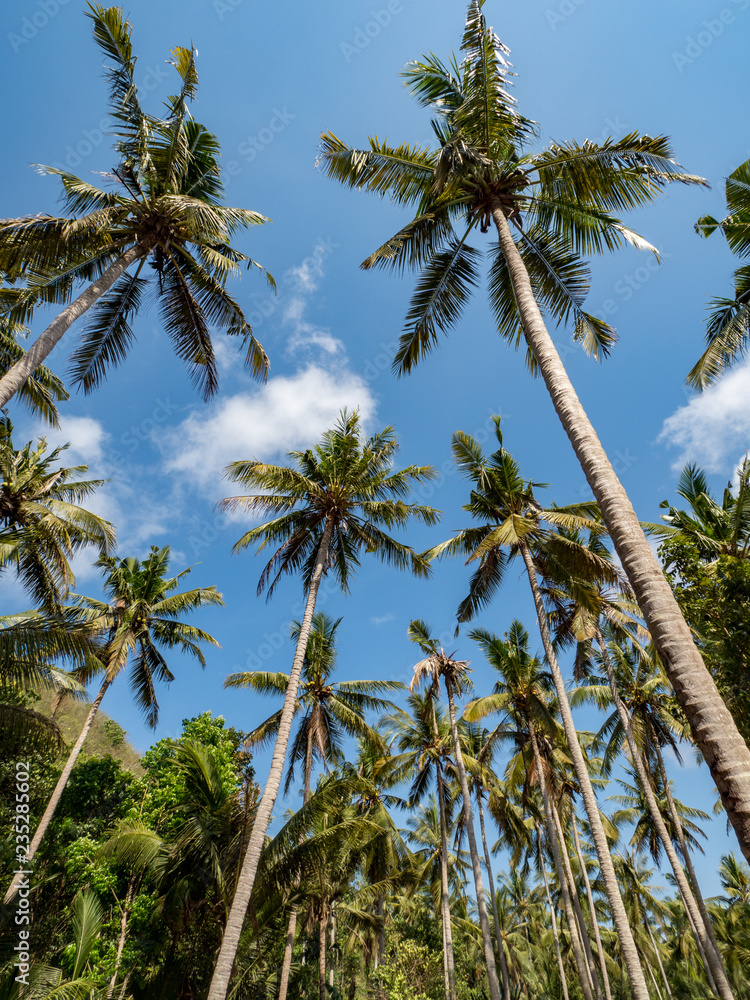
[(658, 959), (23, 369), (553, 916), (286, 965), (225, 962), (62, 781), (585, 941), (606, 867), (554, 844), (707, 944), (703, 910), (484, 923), (381, 926), (653, 980), (450, 963), (122, 939), (291, 931), (592, 909), (714, 729), (332, 970), (493, 897), (322, 933)]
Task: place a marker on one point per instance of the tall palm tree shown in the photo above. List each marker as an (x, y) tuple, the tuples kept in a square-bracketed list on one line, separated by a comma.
[(333, 505), (482, 745), (584, 609), (141, 617), (728, 328), (523, 696), (330, 710), (164, 208), (42, 524), (513, 523), (560, 203), (644, 721), (437, 665), (424, 740)]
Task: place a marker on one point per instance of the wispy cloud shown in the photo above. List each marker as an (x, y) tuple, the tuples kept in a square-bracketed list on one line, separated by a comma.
[(305, 336), (382, 619), (715, 426)]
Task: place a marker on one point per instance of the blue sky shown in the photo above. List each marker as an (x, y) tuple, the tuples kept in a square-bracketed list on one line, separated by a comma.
[(272, 78)]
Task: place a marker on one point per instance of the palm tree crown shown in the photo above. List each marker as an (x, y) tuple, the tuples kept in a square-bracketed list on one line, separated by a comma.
[(346, 481), (42, 524), (562, 200), (163, 208), (142, 617), (728, 328)]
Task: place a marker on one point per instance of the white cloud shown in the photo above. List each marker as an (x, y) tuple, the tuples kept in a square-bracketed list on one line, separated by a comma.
[(381, 620), (714, 426), (289, 412), (85, 435)]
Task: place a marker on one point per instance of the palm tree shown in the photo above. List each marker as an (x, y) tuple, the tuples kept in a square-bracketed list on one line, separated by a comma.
[(644, 720), (713, 529), (438, 664), (561, 203), (142, 615), (164, 208), (425, 740), (523, 695), (330, 711), (728, 329), (42, 524), (334, 504), (512, 523), (482, 745)]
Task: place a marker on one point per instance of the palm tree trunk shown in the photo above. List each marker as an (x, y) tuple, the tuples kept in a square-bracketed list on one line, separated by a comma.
[(714, 729), (553, 915), (381, 926), (554, 844), (331, 971), (286, 965), (23, 369), (658, 960), (493, 897), (592, 909), (585, 941), (653, 980), (225, 962), (62, 781), (484, 923), (322, 933), (619, 916), (705, 916), (450, 962), (291, 930), (707, 944)]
